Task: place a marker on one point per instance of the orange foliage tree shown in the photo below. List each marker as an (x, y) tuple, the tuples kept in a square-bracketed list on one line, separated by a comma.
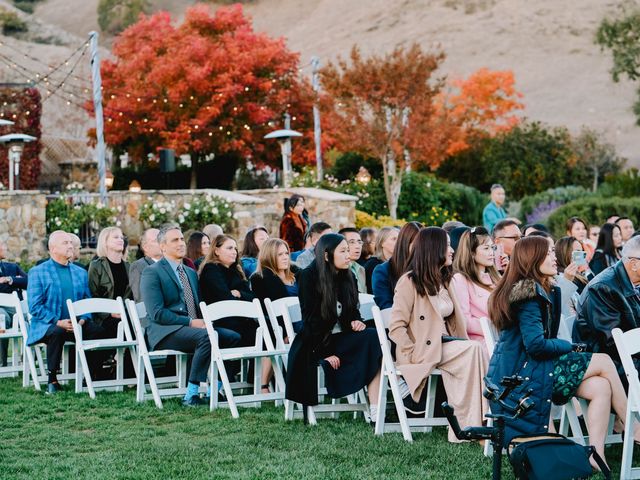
[(394, 108), (208, 85)]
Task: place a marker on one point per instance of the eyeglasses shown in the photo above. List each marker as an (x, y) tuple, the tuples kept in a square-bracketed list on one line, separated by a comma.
[(355, 242), (514, 237)]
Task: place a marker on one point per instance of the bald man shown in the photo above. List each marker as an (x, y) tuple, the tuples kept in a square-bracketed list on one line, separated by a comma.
[(50, 285)]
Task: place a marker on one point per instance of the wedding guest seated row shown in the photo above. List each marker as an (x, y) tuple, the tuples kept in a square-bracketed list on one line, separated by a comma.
[(385, 244), (151, 253), (316, 231), (198, 247), (352, 236), (253, 241)]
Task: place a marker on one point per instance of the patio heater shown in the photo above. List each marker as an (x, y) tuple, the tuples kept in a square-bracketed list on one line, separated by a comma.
[(284, 139), (16, 142)]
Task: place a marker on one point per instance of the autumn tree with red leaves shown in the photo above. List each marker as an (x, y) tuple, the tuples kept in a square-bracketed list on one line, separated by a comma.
[(396, 109), (208, 85)]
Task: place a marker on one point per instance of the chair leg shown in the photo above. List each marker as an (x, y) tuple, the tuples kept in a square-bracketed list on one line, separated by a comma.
[(402, 414), (119, 368), (289, 407), (38, 350), (84, 365), (628, 443), (226, 386), (382, 405), (30, 370), (432, 386), (79, 373)]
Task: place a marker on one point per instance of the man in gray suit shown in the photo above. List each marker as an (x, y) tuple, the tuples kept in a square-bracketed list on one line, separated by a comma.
[(152, 253), (171, 296)]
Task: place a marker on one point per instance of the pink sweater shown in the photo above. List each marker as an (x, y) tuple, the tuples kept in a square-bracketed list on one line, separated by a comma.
[(474, 304)]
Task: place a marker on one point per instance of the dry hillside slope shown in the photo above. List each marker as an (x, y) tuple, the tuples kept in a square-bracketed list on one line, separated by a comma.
[(547, 43)]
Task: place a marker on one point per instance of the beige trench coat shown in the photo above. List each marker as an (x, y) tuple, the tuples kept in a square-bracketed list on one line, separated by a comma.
[(416, 329)]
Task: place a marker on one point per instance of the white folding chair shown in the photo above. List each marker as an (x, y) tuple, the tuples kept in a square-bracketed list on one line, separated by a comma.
[(238, 308), (123, 341), (12, 335), (145, 356), (390, 376), (366, 304), (287, 308), (628, 344)]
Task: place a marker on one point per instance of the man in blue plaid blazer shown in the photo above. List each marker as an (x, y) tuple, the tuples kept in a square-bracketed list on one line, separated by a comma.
[(50, 285)]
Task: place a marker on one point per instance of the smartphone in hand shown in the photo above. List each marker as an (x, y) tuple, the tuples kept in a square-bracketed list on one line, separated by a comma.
[(579, 257)]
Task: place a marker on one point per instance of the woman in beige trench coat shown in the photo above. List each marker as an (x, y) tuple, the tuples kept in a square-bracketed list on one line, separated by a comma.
[(425, 310)]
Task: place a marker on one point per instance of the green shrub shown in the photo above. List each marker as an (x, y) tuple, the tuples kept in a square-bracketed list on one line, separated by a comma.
[(116, 15), (364, 219), (348, 164), (594, 210), (537, 208), (625, 184), (63, 214), (25, 6), (11, 22)]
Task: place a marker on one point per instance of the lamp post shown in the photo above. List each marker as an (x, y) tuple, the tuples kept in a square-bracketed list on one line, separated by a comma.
[(284, 138), (16, 143)]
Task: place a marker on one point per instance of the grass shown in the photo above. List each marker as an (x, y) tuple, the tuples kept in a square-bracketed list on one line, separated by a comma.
[(71, 436)]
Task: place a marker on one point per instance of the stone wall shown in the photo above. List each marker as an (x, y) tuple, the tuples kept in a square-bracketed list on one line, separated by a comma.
[(22, 214), (22, 224)]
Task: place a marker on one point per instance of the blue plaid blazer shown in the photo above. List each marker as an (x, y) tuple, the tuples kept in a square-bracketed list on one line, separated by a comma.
[(45, 296)]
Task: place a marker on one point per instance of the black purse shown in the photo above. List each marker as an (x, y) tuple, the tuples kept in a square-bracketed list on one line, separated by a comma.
[(550, 456)]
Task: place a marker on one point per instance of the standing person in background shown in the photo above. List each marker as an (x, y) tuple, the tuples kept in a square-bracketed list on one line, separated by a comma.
[(626, 228), (12, 279), (608, 248), (385, 245), (368, 236), (355, 252), (293, 225), (577, 228), (333, 333), (429, 330), (494, 212), (198, 247), (151, 253), (386, 275), (109, 275), (475, 278), (253, 241), (316, 231)]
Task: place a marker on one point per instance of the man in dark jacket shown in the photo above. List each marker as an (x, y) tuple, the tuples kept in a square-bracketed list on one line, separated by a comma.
[(611, 301), (12, 279), (151, 254)]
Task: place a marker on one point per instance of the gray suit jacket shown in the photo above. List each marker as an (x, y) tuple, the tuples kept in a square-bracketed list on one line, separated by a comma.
[(164, 300), (135, 273)]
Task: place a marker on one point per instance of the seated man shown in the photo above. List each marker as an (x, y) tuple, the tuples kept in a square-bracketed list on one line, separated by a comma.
[(352, 236), (12, 279), (151, 254), (611, 301), (50, 285), (316, 231), (171, 296)]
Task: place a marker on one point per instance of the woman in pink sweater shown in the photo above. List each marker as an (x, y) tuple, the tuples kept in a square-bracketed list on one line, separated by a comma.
[(475, 277)]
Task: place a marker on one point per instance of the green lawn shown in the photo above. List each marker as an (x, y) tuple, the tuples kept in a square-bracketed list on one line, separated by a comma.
[(72, 437)]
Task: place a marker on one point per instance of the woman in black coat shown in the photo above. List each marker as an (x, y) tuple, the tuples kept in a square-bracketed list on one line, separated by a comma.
[(221, 278), (333, 334), (274, 279), (608, 248)]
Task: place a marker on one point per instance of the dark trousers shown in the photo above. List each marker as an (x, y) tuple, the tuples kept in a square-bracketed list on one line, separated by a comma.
[(4, 344), (56, 337), (245, 327), (196, 341)]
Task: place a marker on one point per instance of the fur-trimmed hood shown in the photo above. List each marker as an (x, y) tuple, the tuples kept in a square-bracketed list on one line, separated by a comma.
[(526, 289)]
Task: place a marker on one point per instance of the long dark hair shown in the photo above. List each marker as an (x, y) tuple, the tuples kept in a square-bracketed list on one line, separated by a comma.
[(605, 239), (526, 258), (464, 262), (399, 261), (333, 284), (427, 264), (250, 248), (291, 202), (194, 245)]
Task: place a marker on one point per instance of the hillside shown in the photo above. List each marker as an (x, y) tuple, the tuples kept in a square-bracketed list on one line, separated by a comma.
[(548, 44)]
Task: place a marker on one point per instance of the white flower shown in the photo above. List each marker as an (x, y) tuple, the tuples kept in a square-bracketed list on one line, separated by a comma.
[(152, 217), (226, 205), (215, 210), (180, 218), (75, 230), (187, 206), (229, 214), (58, 222), (235, 215), (163, 210), (197, 211), (118, 223)]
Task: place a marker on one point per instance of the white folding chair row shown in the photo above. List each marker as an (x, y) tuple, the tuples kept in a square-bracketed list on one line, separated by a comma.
[(137, 311), (123, 341), (390, 376), (263, 348), (628, 344), (13, 337)]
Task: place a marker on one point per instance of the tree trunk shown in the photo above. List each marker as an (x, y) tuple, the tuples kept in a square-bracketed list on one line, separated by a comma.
[(193, 184), (595, 179), (392, 183)]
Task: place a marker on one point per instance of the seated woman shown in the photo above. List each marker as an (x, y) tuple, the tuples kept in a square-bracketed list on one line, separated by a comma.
[(253, 240), (368, 236), (385, 244), (608, 248), (386, 275), (198, 247), (475, 278), (525, 308), (429, 330), (577, 228), (109, 275), (571, 278), (333, 334), (221, 278), (274, 279)]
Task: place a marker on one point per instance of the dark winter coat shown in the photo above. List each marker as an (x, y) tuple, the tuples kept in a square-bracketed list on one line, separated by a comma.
[(291, 232), (313, 343), (529, 349)]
